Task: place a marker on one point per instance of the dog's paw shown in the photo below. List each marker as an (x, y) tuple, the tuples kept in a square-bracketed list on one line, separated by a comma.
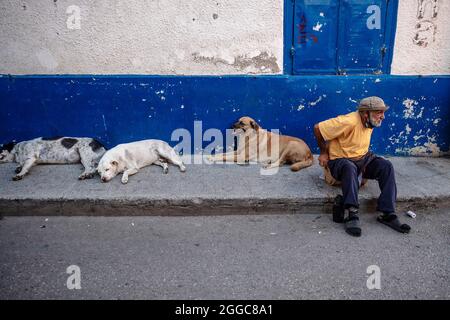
[(267, 166), (18, 169), (17, 178), (124, 180), (182, 168), (86, 176), (166, 170)]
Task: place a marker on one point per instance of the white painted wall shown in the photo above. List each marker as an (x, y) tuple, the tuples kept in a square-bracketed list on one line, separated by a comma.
[(190, 37), (142, 37), (422, 44)]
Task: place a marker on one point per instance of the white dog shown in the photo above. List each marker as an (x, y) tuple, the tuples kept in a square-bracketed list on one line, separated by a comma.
[(130, 157)]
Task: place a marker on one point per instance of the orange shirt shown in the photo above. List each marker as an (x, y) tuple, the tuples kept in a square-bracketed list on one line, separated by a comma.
[(347, 136)]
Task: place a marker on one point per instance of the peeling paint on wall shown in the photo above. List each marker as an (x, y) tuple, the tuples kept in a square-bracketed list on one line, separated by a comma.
[(428, 149), (313, 103), (426, 28), (140, 37), (261, 63), (410, 111), (317, 27), (422, 39), (424, 143), (419, 137), (427, 5), (425, 33)]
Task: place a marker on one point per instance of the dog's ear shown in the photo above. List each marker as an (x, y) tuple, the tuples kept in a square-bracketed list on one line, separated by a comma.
[(114, 163), (254, 125), (8, 146)]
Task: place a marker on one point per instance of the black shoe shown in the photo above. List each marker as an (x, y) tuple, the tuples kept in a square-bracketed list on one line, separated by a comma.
[(352, 223), (391, 220)]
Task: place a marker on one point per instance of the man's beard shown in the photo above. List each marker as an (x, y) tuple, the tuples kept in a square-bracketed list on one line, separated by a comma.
[(372, 123)]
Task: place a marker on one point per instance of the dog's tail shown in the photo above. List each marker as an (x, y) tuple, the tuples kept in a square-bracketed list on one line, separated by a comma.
[(304, 163)]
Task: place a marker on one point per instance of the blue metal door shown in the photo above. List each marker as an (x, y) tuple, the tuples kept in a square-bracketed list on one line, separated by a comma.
[(315, 36), (361, 36), (341, 36)]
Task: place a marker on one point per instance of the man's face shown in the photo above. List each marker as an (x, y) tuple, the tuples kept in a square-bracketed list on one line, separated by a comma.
[(376, 118)]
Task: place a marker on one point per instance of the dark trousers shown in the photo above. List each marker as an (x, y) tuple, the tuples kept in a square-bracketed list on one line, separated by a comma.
[(378, 169)]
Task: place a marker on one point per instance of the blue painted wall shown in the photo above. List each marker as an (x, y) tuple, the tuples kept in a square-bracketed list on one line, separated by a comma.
[(118, 109)]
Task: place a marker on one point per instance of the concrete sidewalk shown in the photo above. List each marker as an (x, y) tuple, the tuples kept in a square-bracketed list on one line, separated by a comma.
[(206, 189)]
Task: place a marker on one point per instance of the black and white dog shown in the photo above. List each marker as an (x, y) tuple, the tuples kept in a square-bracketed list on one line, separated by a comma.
[(56, 150)]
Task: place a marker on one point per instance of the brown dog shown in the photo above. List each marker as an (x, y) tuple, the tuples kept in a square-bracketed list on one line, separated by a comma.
[(270, 149)]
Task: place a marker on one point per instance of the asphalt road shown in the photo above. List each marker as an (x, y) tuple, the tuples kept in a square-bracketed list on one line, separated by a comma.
[(303, 256)]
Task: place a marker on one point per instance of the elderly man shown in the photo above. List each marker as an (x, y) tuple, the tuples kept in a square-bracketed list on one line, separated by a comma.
[(344, 151)]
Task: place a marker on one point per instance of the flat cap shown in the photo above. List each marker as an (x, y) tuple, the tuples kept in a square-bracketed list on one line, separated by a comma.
[(372, 104)]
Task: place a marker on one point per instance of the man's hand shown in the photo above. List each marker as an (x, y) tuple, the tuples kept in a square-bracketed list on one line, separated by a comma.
[(323, 159), (323, 146)]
